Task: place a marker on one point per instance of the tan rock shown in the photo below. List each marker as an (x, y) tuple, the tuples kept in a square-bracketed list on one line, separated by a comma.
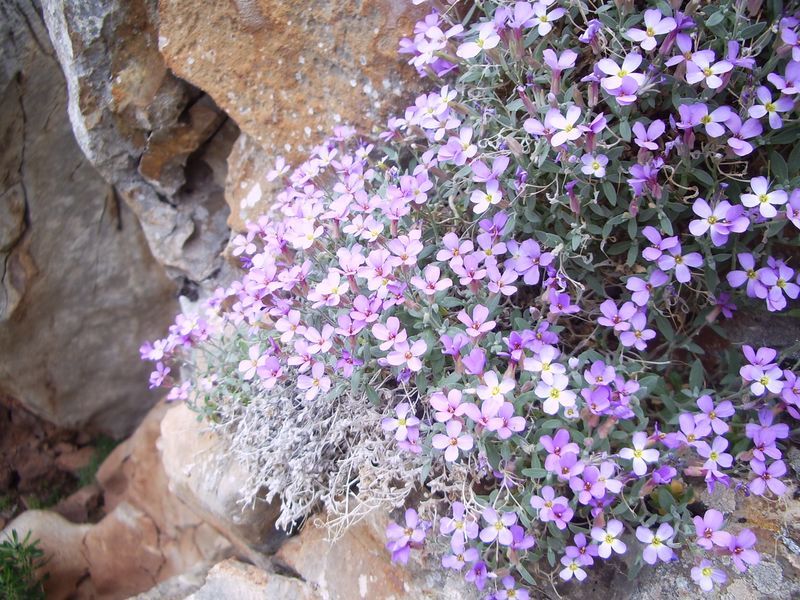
[(287, 72), (123, 553), (247, 191), (234, 580), (62, 543), (209, 481), (134, 475), (80, 505), (358, 566)]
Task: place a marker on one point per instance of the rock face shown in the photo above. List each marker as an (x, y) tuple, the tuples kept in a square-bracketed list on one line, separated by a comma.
[(233, 580), (146, 536), (62, 542), (202, 475), (287, 72), (80, 290), (357, 566), (145, 130)]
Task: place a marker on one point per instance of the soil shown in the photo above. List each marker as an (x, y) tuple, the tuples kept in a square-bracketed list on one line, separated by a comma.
[(44, 466)]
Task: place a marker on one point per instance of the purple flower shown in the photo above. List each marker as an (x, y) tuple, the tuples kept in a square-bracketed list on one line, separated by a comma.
[(572, 568), (478, 574), (741, 132), (459, 557), (655, 24), (639, 454), (561, 303), (614, 317), (770, 108), (583, 551), (657, 548), (664, 475), (564, 126), (680, 262), (645, 138), (497, 527), (763, 198), (526, 258), (616, 73), (644, 178), (459, 527), (402, 538), (692, 429), (713, 415), (708, 530), (402, 423), (594, 165), (706, 575), (522, 540), (545, 503), (483, 174), (638, 335), (607, 539), (715, 454), (556, 447), (458, 149), (779, 281), (717, 221), (505, 423), (588, 486), (592, 28), (562, 514), (702, 67), (544, 19), (509, 587), (642, 289), (767, 477), (453, 441), (789, 84), (569, 466), (741, 548), (749, 274)]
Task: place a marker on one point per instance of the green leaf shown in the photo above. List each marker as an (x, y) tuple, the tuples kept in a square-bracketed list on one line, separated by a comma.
[(715, 19), (778, 166), (696, 374), (534, 473), (610, 192), (794, 161), (625, 130), (752, 30), (703, 177)]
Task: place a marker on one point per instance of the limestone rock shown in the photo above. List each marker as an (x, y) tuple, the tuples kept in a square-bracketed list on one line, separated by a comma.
[(62, 543), (134, 476), (79, 289), (234, 580), (123, 552), (141, 126), (358, 566), (776, 524), (288, 72), (177, 587), (206, 478), (247, 191)]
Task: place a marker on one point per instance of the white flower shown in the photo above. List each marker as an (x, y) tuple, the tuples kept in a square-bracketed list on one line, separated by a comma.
[(763, 198), (639, 454), (608, 539)]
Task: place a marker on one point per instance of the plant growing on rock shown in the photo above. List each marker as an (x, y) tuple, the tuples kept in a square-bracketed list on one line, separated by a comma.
[(512, 300)]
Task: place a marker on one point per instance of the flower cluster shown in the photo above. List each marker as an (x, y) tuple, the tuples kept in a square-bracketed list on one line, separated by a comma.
[(527, 275)]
